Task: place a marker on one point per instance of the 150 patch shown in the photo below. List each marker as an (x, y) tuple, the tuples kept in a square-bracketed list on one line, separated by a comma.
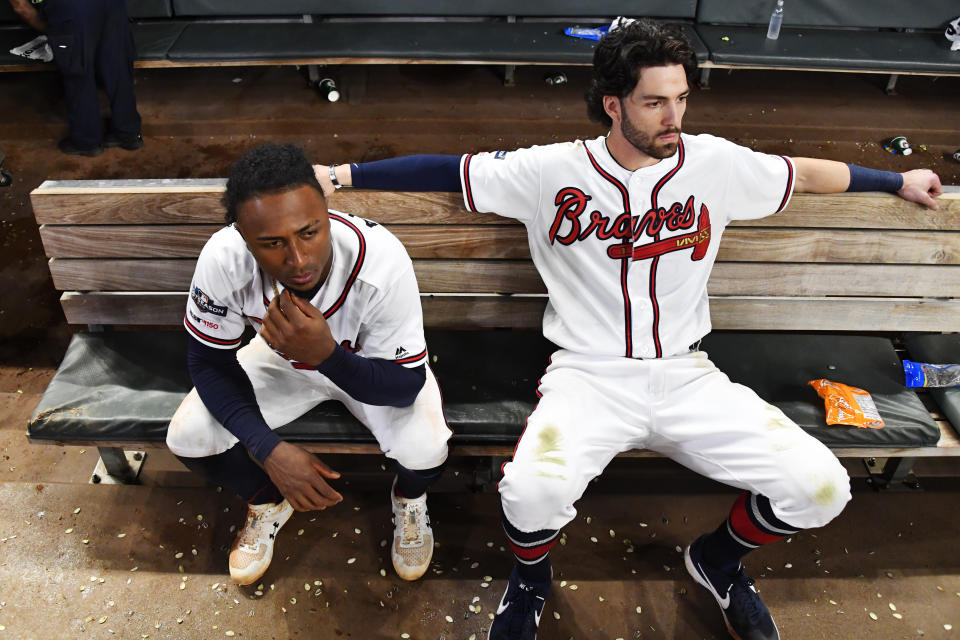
[(205, 304)]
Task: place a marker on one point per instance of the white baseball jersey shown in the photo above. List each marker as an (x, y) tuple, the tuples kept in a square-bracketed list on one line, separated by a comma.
[(626, 255), (370, 298)]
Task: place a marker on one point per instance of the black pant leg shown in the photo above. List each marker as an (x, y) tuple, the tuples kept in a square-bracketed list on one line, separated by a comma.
[(72, 35), (234, 469), (115, 55)]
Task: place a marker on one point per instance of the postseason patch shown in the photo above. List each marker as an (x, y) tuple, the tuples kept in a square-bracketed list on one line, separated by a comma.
[(204, 303)]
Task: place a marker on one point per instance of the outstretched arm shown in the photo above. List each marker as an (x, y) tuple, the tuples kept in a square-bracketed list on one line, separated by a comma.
[(828, 176), (407, 173)]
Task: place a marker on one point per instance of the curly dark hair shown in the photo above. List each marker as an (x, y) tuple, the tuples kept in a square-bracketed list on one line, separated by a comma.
[(267, 168), (621, 54)]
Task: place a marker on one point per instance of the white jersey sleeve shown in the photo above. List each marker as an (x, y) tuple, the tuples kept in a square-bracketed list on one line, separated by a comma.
[(392, 328), (503, 182), (214, 305), (758, 184)]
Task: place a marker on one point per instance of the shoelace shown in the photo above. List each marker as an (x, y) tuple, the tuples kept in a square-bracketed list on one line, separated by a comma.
[(748, 601), (525, 602), (251, 532), (411, 523)]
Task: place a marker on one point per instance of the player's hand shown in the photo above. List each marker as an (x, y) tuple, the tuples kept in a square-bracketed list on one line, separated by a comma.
[(921, 186), (297, 330), (300, 477)]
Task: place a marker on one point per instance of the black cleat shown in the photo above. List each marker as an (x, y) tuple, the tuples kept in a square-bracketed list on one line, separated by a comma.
[(746, 616), (130, 143), (518, 615)]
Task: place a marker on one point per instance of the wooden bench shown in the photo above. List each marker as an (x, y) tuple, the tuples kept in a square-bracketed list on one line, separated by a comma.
[(822, 287)]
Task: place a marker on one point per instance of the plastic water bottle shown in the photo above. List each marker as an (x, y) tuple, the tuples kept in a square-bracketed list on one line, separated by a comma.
[(776, 19)]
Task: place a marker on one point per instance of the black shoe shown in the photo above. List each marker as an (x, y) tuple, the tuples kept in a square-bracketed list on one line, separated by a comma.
[(130, 143), (746, 616), (518, 615), (69, 146)]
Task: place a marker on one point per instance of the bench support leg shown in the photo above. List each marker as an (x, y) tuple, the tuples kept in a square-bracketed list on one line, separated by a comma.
[(891, 473), (117, 466), (892, 84), (509, 75), (704, 78)]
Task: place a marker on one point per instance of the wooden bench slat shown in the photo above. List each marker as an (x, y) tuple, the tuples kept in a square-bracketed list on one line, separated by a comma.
[(520, 276), (747, 313), (510, 242), (442, 276), (198, 201)]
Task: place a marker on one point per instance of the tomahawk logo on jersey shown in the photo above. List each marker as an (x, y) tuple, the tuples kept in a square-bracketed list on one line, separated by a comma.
[(370, 298), (626, 255)]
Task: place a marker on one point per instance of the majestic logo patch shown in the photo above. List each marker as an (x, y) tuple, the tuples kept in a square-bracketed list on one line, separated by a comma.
[(401, 353), (205, 304)]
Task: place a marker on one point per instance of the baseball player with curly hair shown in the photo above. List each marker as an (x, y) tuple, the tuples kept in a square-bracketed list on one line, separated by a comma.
[(624, 231), (335, 303)]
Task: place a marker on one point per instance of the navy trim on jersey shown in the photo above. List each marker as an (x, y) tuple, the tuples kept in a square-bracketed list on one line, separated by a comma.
[(467, 190), (205, 338), (625, 264), (356, 267), (656, 261), (786, 195)]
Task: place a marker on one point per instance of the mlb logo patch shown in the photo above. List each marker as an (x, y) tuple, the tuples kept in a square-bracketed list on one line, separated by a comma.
[(499, 155)]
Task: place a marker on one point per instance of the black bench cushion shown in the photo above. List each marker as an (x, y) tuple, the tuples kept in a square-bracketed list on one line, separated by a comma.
[(125, 386), (939, 348), (153, 40), (659, 8), (881, 51), (778, 367), (892, 14), (474, 41)]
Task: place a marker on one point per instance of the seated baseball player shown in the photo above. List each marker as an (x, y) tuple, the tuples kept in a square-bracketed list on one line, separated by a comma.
[(624, 230), (335, 304)]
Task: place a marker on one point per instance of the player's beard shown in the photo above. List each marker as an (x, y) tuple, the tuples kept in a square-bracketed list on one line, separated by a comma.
[(645, 143)]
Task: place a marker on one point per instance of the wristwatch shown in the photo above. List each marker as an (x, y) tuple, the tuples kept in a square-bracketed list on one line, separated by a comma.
[(333, 177)]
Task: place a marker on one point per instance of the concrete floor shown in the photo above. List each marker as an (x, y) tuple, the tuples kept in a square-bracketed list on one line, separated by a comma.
[(110, 570)]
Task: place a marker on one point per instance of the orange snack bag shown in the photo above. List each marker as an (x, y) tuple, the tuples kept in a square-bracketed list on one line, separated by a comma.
[(847, 405)]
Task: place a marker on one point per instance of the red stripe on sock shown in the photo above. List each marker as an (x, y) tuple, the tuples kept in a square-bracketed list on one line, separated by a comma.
[(532, 553), (744, 527)]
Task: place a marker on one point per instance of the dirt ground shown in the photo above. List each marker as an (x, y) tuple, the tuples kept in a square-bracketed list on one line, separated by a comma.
[(79, 560)]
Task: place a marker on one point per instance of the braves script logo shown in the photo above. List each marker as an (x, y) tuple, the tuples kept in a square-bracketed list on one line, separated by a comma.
[(568, 227)]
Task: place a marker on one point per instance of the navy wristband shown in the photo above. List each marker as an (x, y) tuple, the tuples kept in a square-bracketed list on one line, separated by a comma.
[(863, 179)]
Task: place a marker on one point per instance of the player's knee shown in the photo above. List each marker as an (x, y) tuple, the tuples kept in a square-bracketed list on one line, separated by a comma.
[(176, 442), (425, 455), (823, 496), (535, 498)]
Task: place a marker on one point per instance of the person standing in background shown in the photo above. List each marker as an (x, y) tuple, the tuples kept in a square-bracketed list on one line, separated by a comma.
[(91, 41)]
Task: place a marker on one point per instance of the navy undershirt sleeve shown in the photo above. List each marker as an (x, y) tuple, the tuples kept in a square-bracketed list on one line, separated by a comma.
[(409, 173), (372, 380), (227, 393)]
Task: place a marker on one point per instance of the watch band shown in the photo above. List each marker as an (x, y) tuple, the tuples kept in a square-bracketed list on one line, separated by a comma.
[(333, 177)]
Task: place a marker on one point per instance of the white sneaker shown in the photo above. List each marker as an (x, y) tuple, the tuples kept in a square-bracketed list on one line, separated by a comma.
[(252, 551), (412, 547)]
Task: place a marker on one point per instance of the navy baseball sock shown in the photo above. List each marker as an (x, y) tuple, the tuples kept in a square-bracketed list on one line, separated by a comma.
[(751, 524), (414, 483), (235, 470), (531, 550)]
